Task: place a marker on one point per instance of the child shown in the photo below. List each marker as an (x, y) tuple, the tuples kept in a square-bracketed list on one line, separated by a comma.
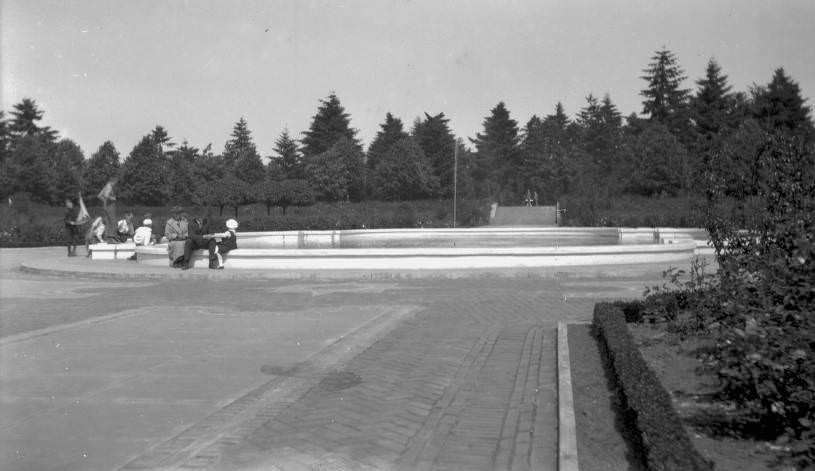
[(225, 241), (95, 234), (144, 234)]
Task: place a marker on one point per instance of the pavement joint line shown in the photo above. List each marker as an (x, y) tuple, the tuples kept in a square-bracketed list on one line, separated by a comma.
[(211, 435), (567, 429), (31, 334)]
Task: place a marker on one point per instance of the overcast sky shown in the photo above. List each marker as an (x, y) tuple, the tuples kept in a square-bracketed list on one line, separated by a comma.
[(114, 69)]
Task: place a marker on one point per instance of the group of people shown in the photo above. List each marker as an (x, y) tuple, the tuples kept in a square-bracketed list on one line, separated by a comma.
[(182, 234), (530, 198)]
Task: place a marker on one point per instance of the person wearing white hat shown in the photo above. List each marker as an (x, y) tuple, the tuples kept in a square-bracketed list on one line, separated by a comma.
[(225, 241), (144, 234)]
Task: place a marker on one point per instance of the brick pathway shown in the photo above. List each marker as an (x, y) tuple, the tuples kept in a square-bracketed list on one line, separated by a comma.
[(468, 382)]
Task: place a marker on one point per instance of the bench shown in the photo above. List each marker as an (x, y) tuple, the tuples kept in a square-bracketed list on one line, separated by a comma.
[(106, 251)]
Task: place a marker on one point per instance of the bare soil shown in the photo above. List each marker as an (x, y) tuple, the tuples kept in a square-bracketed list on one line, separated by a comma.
[(676, 365)]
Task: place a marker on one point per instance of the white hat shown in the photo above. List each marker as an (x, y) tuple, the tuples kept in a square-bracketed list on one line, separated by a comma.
[(231, 224), (147, 222)]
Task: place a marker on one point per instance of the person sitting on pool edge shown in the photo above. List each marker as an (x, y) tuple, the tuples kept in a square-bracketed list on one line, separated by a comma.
[(224, 242)]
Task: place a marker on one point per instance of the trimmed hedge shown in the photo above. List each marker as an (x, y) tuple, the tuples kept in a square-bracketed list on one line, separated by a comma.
[(664, 441)]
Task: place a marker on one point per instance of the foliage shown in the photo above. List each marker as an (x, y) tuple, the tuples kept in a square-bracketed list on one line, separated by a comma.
[(665, 101), (761, 312), (433, 135), (403, 173), (327, 127), (391, 132), (289, 159), (285, 193), (103, 165), (662, 437), (498, 156), (144, 177), (241, 156), (779, 107), (657, 162), (338, 173)]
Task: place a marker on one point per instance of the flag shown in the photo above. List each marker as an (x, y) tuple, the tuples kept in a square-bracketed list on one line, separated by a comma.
[(83, 215)]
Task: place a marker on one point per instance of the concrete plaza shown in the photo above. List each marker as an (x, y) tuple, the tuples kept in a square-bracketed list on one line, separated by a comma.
[(117, 366)]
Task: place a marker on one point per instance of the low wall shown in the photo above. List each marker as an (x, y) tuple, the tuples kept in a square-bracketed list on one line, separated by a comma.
[(430, 258)]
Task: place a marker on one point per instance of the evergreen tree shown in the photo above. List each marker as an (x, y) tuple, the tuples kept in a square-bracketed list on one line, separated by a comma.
[(558, 132), (329, 124), (68, 163), (404, 173), (241, 155), (24, 121), (655, 161), (779, 107), (145, 177), (498, 155), (600, 134), (183, 177), (5, 138), (391, 132), (438, 144), (288, 157), (328, 175), (665, 102), (103, 165), (30, 168)]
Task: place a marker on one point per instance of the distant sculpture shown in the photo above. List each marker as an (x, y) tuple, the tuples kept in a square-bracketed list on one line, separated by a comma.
[(108, 199)]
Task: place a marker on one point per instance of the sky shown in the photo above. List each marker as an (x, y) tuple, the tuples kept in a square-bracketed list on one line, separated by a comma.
[(114, 69)]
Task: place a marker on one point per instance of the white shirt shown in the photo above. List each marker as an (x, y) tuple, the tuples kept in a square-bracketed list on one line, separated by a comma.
[(142, 235)]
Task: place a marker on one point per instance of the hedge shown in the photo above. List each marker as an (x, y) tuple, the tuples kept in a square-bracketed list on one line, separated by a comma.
[(664, 441)]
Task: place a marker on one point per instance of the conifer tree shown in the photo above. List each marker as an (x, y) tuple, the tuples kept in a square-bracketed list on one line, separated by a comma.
[(779, 107), (391, 132), (103, 165), (329, 124), (68, 163), (288, 157), (665, 101), (403, 173), (145, 176), (498, 155), (241, 155), (438, 144)]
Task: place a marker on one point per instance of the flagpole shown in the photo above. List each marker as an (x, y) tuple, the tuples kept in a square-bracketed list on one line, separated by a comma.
[(455, 181)]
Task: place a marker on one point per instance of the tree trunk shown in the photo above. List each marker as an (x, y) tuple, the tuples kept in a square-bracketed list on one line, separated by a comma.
[(221, 210)]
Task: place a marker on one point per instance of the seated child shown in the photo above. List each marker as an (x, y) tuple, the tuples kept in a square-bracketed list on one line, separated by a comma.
[(95, 234), (225, 241), (144, 234), (124, 228)]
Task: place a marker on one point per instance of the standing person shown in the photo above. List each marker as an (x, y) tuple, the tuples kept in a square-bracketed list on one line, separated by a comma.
[(108, 199), (528, 199), (535, 196), (197, 229), (225, 242), (71, 227), (175, 234)]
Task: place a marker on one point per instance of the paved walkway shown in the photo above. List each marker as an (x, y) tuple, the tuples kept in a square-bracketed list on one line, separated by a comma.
[(114, 366)]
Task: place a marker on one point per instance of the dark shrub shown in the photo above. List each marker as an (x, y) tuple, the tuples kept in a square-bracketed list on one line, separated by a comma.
[(663, 438)]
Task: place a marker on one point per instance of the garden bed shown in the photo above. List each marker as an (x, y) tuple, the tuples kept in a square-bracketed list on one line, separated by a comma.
[(675, 363)]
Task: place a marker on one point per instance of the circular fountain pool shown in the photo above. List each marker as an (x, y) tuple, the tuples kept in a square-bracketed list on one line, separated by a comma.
[(469, 248)]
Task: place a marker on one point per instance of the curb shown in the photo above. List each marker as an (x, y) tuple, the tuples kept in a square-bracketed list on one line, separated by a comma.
[(127, 272), (567, 429)]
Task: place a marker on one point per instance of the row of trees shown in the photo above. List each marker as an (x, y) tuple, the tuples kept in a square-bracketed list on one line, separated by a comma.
[(598, 153)]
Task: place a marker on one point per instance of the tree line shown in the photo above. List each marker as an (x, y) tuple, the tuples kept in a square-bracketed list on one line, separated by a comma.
[(597, 154)]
